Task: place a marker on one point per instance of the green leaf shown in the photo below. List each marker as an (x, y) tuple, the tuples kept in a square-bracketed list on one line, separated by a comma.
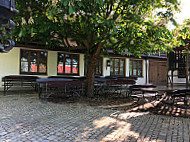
[(112, 39), (98, 1), (80, 4), (31, 30), (161, 34), (182, 42), (65, 3), (20, 34), (174, 22), (184, 30), (50, 15), (71, 11), (171, 36), (61, 21), (101, 2)]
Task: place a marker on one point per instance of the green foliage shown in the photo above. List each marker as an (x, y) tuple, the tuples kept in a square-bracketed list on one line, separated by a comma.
[(118, 24), (181, 35)]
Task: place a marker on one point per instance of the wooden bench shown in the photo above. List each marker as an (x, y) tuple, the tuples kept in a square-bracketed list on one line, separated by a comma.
[(19, 81)]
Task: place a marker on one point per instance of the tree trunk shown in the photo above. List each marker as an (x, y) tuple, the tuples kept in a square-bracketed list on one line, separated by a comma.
[(92, 62)]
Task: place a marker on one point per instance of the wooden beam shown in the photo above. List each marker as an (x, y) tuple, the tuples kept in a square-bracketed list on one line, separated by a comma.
[(167, 81), (187, 69), (146, 66), (172, 78)]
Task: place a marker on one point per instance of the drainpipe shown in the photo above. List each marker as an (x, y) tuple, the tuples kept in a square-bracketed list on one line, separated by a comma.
[(146, 68), (187, 70)]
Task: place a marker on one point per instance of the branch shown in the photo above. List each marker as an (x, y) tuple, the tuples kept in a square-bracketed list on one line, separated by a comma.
[(109, 9), (117, 8), (117, 43)]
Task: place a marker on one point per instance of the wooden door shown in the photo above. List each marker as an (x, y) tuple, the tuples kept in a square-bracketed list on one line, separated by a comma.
[(157, 72)]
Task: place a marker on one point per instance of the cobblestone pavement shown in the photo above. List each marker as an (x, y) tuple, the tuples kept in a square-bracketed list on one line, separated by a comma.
[(24, 118)]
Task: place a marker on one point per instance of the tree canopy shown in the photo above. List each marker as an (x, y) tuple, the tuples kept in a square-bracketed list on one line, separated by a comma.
[(117, 24)]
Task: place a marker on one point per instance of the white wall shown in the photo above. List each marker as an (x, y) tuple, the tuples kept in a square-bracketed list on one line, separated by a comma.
[(52, 63), (106, 70), (127, 66), (81, 65), (142, 80), (9, 63), (176, 79)]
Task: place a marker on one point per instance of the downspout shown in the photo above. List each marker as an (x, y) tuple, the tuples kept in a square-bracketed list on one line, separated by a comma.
[(187, 70), (146, 68)]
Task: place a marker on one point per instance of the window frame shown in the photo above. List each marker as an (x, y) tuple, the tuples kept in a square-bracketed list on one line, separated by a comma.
[(64, 60), (181, 64), (29, 63), (99, 66), (124, 66), (136, 60)]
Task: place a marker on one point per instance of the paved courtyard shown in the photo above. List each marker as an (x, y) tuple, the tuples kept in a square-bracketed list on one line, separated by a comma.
[(24, 118)]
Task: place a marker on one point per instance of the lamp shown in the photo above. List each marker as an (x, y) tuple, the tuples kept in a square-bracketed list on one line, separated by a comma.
[(7, 11)]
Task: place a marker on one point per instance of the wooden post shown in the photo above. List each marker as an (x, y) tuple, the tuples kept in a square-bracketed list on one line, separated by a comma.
[(146, 65), (167, 71), (172, 78), (187, 69)]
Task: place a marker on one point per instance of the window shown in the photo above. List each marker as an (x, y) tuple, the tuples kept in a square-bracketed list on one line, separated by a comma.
[(98, 70), (117, 67), (135, 68), (33, 62), (181, 66), (68, 64)]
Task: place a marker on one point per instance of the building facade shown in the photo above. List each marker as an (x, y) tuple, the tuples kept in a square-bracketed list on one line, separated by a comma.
[(45, 63)]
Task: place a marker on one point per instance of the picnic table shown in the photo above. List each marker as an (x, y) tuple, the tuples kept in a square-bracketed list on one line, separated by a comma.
[(172, 96), (18, 81), (121, 77), (112, 85), (152, 92), (52, 86), (142, 91), (136, 88), (69, 77)]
